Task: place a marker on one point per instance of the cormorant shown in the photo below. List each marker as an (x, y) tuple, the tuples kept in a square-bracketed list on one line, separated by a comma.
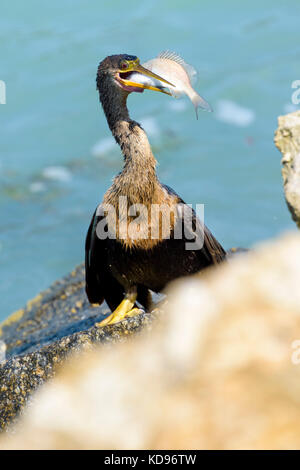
[(130, 250)]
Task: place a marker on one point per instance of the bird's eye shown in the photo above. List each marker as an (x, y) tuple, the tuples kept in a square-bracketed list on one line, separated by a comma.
[(124, 65)]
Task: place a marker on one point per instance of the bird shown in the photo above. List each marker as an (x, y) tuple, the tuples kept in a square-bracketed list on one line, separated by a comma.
[(124, 262)]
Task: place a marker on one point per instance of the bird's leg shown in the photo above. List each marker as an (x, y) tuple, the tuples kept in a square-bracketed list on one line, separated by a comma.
[(125, 309)]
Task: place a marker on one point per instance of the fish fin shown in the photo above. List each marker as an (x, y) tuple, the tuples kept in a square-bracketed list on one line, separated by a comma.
[(200, 102), (192, 73), (171, 56)]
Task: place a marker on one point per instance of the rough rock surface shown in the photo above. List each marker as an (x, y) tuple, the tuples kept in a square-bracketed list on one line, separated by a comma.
[(39, 337), (287, 139), (220, 370)]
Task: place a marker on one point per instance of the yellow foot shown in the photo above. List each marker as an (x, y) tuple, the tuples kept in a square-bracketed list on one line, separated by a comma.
[(111, 319), (123, 310)]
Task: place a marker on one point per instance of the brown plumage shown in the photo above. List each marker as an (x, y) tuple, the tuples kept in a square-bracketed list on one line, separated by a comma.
[(116, 267)]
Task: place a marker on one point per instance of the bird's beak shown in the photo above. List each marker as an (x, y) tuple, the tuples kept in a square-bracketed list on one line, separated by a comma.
[(143, 71)]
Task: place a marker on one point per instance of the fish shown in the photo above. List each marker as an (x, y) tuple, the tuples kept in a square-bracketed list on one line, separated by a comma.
[(175, 70)]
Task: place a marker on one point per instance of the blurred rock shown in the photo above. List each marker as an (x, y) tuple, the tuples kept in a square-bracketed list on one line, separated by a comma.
[(287, 139), (218, 371)]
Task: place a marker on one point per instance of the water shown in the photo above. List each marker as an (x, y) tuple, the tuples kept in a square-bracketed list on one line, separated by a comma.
[(56, 158)]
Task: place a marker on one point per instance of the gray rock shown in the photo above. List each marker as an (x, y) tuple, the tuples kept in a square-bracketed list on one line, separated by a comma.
[(287, 140), (39, 337)]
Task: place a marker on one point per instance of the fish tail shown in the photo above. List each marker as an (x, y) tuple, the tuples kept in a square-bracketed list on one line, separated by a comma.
[(199, 102)]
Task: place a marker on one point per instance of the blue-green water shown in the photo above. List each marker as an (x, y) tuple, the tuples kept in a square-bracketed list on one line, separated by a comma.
[(56, 159)]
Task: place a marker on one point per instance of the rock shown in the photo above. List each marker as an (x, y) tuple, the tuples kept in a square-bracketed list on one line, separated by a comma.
[(220, 370), (287, 139), (39, 337)]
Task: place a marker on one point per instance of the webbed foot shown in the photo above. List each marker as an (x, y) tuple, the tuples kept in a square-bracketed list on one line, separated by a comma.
[(125, 309)]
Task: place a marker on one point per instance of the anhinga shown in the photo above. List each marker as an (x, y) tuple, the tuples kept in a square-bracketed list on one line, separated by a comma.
[(122, 268)]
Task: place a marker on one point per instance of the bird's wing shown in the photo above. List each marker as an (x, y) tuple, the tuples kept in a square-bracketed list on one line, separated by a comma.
[(94, 257), (215, 250), (212, 249)]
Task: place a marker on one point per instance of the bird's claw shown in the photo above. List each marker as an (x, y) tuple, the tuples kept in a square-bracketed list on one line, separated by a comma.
[(118, 315)]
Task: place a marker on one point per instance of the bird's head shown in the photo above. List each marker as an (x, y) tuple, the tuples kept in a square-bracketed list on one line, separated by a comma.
[(115, 72)]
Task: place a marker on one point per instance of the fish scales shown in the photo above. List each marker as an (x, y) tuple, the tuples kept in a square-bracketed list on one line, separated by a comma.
[(174, 69)]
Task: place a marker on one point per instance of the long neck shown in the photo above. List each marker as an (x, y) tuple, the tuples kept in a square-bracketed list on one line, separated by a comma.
[(138, 177)]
